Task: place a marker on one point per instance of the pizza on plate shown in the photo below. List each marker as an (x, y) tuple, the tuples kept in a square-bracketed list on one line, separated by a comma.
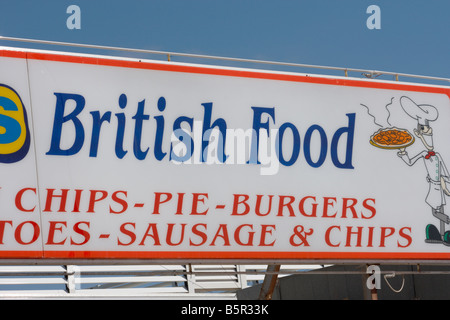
[(392, 138)]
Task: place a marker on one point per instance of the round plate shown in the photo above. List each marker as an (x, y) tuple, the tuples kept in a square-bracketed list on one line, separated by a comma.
[(392, 146)]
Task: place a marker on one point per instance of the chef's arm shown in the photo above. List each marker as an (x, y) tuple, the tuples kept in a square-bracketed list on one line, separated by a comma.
[(410, 161), (445, 177), (444, 172)]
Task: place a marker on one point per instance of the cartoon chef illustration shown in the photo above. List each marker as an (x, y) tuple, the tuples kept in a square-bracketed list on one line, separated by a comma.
[(437, 173)]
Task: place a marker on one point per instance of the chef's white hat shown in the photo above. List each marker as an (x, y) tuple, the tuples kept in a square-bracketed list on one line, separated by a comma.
[(423, 113)]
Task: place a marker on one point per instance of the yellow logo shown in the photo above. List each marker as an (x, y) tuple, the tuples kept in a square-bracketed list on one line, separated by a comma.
[(14, 131)]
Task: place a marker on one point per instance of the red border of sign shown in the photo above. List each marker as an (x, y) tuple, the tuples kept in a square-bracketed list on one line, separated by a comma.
[(221, 255)]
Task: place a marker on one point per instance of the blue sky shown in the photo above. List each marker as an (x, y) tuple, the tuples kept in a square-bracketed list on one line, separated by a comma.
[(414, 35)]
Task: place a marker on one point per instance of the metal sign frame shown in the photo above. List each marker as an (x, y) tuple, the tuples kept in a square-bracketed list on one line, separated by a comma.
[(140, 257)]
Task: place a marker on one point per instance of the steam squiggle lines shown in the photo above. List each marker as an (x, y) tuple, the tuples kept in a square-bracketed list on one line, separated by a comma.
[(389, 113), (374, 120)]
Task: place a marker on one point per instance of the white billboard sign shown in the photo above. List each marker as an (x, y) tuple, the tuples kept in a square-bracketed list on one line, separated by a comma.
[(107, 158)]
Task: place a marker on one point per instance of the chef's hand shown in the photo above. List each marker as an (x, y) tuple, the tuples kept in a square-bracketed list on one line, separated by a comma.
[(402, 152)]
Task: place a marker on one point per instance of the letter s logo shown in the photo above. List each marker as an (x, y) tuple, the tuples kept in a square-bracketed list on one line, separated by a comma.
[(14, 131)]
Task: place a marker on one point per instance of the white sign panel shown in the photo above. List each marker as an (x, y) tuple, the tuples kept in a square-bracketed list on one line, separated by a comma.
[(105, 158)]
